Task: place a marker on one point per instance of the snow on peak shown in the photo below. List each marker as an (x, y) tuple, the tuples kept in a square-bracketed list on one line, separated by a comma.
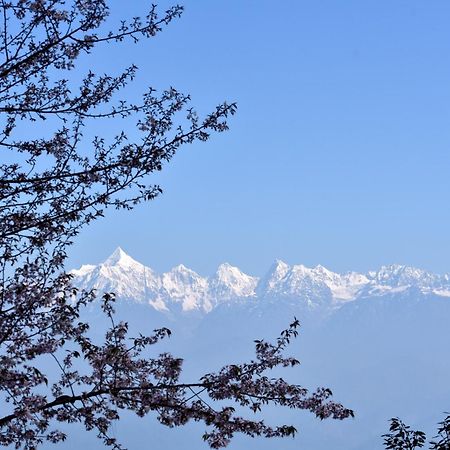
[(272, 279), (182, 273), (305, 283), (230, 283), (182, 269), (83, 270), (119, 257), (115, 257), (229, 274), (396, 275), (279, 266), (120, 274), (314, 285), (226, 268), (184, 286), (183, 289)]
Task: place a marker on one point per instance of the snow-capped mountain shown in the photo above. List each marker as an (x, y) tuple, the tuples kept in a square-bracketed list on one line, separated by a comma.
[(230, 283), (182, 289), (373, 338), (120, 274), (316, 285)]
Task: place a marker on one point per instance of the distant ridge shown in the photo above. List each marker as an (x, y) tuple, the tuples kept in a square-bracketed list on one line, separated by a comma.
[(183, 289)]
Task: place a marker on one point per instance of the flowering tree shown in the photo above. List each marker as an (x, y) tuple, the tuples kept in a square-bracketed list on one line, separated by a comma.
[(59, 180)]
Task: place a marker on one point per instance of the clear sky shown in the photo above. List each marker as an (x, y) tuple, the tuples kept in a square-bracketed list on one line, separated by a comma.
[(339, 153)]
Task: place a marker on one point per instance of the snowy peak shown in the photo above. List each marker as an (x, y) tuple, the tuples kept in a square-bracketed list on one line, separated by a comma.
[(305, 283), (182, 289), (396, 275), (271, 281), (316, 284), (342, 286), (83, 270), (230, 283), (226, 271), (279, 269), (180, 279), (119, 257), (182, 269)]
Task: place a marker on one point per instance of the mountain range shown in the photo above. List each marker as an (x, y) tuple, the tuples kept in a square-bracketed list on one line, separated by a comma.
[(379, 340), (182, 289)]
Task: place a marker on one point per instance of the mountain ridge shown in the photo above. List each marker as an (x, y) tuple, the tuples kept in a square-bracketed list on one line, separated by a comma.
[(377, 339), (183, 289)]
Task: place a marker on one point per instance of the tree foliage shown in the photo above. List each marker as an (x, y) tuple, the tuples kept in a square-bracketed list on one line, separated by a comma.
[(61, 179), (401, 437)]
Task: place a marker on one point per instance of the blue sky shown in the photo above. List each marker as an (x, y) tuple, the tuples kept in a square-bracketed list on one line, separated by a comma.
[(339, 153)]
